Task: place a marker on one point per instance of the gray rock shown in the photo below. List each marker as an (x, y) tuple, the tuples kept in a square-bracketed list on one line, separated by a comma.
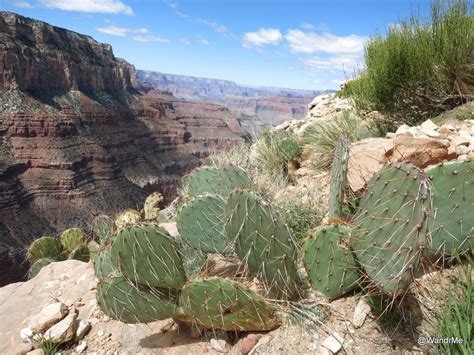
[(81, 347), (82, 327), (360, 313), (218, 345)]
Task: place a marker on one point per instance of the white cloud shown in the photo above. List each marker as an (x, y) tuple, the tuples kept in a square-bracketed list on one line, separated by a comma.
[(120, 31), (22, 4), (337, 62), (150, 38), (307, 26), (310, 42), (97, 6), (203, 41), (262, 37)]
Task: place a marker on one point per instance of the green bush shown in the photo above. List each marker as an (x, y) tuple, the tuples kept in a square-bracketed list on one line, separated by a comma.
[(419, 68)]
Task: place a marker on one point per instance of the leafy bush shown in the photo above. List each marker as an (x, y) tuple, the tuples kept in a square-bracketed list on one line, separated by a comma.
[(321, 138), (419, 68)]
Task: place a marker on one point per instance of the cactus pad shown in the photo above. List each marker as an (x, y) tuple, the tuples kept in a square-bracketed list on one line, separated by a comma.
[(224, 304), (127, 218), (38, 265), (218, 181), (262, 241), (452, 222), (72, 238), (289, 149), (81, 253), (390, 227), (148, 255), (200, 223), (103, 265), (103, 227), (150, 208), (329, 262), (120, 299), (44, 247)]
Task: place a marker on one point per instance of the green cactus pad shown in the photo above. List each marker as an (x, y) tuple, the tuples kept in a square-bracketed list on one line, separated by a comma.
[(201, 224), (263, 242), (38, 265), (329, 262), (81, 253), (389, 236), (127, 218), (339, 169), (103, 227), (223, 304), (122, 300), (218, 181), (452, 222), (44, 247), (72, 238), (94, 249), (103, 266), (148, 255), (151, 209), (289, 148)]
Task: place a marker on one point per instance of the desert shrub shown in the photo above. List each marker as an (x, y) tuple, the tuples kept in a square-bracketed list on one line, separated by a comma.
[(419, 68), (321, 138), (300, 218)]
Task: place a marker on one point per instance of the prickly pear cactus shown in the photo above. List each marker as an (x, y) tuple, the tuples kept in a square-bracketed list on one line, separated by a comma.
[(148, 255), (94, 249), (38, 265), (263, 242), (72, 238), (44, 247), (390, 227), (103, 227), (329, 262), (289, 148), (103, 266), (127, 218), (150, 208), (200, 223), (338, 178), (452, 222), (122, 300), (218, 181), (81, 253), (223, 304)]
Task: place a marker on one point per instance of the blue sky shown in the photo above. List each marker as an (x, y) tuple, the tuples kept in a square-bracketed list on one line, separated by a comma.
[(285, 43)]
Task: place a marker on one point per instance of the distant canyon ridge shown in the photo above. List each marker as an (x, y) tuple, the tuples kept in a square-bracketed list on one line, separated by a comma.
[(83, 133)]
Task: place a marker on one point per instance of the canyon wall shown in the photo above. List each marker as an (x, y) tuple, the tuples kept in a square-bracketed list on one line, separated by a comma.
[(81, 135)]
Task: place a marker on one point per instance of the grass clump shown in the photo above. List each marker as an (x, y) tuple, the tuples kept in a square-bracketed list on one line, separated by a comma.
[(322, 138), (419, 68), (300, 218)]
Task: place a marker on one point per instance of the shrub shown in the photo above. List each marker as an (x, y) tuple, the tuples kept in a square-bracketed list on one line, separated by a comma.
[(321, 138), (419, 68)]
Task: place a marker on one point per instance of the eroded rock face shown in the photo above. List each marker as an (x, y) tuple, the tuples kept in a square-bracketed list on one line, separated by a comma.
[(77, 138)]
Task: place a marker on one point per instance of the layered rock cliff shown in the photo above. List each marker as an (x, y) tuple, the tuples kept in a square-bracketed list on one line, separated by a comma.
[(78, 137)]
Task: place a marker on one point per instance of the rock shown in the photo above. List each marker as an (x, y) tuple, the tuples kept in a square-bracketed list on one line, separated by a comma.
[(360, 313), (217, 265), (170, 228), (390, 135), (462, 149), (420, 151), (24, 348), (248, 342), (81, 347), (26, 334), (65, 330), (48, 316), (324, 351), (35, 352), (428, 125), (218, 345), (333, 343), (402, 129), (447, 130), (366, 159), (82, 327)]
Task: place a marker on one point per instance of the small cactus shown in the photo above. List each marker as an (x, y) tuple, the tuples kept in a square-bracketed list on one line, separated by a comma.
[(44, 247), (81, 253), (38, 265), (72, 238), (289, 149), (103, 266), (338, 178)]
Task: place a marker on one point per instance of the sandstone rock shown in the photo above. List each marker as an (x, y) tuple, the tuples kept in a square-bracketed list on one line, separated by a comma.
[(367, 158), (81, 347), (420, 151), (23, 348), (333, 343), (462, 149), (170, 228), (447, 130), (65, 330), (35, 352), (360, 314), (402, 129), (82, 327), (48, 316), (248, 342), (390, 135), (219, 345), (428, 125)]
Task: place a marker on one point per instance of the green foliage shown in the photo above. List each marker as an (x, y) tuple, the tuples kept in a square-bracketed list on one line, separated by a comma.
[(386, 310), (329, 262), (419, 68), (390, 227), (321, 139), (130, 303), (103, 228), (263, 242), (44, 247), (451, 225), (72, 238), (81, 253), (38, 265), (200, 223), (219, 303), (300, 218), (47, 346), (148, 255)]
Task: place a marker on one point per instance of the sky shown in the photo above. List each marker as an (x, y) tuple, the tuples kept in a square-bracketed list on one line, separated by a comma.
[(311, 44)]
